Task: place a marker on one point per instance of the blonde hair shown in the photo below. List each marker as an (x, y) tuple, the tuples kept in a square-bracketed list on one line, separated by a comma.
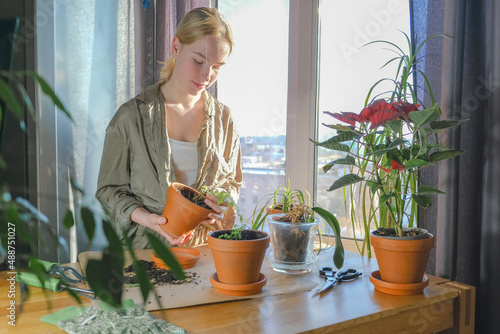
[(196, 24)]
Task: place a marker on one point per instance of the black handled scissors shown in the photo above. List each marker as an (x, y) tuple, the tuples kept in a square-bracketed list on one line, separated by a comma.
[(331, 279)]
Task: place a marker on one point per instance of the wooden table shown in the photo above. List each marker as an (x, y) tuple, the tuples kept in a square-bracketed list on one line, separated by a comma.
[(350, 307)]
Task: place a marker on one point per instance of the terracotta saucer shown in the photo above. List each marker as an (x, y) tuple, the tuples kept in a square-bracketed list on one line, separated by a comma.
[(187, 257), (399, 289), (238, 289)]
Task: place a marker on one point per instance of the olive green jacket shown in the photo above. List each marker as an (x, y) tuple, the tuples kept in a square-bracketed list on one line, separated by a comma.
[(136, 166)]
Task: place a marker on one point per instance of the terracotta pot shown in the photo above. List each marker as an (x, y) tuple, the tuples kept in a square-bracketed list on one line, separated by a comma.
[(182, 215), (402, 260), (238, 261), (271, 211)]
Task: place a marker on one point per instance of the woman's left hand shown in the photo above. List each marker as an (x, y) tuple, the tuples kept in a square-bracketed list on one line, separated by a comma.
[(219, 209)]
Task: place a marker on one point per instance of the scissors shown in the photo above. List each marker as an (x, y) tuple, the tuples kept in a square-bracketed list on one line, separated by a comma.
[(331, 279)]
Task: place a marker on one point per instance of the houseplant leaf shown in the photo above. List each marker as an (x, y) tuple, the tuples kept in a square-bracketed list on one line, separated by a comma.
[(442, 155), (424, 116), (445, 124), (338, 256), (416, 163), (164, 253), (88, 222), (348, 160), (345, 181), (428, 190)]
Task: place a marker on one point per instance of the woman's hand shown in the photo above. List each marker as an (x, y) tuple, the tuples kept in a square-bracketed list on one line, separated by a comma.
[(154, 222), (220, 211)]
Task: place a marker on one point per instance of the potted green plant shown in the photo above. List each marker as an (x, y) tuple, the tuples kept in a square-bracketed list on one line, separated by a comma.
[(386, 145), (238, 256), (184, 210)]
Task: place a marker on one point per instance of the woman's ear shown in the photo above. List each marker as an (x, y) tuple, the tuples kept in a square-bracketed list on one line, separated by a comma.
[(176, 46)]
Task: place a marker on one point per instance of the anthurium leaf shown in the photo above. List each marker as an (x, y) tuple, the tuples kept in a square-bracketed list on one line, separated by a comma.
[(374, 186), (88, 222), (416, 163), (348, 160), (436, 146), (395, 144), (445, 124), (420, 117), (428, 190), (68, 221), (385, 198), (334, 143), (442, 155), (422, 200), (340, 128), (423, 142), (345, 181), (338, 256), (164, 253), (334, 146), (394, 126)]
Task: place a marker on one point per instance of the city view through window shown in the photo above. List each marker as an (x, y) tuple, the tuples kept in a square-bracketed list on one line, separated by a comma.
[(254, 84)]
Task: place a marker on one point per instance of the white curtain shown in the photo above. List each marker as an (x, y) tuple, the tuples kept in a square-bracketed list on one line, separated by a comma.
[(95, 48), (97, 55)]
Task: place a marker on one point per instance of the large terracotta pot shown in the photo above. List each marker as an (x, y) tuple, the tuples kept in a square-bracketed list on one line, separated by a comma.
[(402, 260), (182, 214), (238, 261)]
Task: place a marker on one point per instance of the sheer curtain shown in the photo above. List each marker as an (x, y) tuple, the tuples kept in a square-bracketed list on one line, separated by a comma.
[(464, 70), (87, 51), (97, 55)]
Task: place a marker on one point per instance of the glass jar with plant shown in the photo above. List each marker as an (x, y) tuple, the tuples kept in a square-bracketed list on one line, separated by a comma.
[(293, 210)]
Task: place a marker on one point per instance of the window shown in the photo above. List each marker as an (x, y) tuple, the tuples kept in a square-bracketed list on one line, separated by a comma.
[(347, 70), (254, 85)]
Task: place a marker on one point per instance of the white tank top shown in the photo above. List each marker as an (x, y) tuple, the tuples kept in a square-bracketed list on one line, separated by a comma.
[(185, 157)]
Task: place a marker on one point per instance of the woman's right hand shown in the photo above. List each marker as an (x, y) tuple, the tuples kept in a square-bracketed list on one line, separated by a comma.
[(153, 221)]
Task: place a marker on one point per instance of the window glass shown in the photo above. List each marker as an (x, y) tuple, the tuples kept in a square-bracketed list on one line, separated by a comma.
[(347, 70), (253, 84)]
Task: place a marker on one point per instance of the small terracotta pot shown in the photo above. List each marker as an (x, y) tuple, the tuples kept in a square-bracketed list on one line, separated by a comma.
[(238, 261), (182, 215), (402, 260), (273, 211)]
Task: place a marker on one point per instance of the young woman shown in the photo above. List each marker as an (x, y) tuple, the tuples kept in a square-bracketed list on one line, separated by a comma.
[(173, 131)]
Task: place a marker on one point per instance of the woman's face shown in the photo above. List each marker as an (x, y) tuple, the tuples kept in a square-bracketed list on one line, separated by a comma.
[(197, 65)]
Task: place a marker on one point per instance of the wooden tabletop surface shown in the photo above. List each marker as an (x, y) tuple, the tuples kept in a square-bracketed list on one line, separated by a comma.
[(350, 307)]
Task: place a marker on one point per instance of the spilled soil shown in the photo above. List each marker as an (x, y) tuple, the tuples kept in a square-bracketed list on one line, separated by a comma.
[(158, 275)]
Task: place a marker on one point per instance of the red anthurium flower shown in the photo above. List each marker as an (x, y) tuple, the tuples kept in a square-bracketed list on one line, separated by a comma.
[(397, 165), (381, 105), (344, 118), (407, 108), (366, 113), (387, 170), (383, 116), (354, 116)]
